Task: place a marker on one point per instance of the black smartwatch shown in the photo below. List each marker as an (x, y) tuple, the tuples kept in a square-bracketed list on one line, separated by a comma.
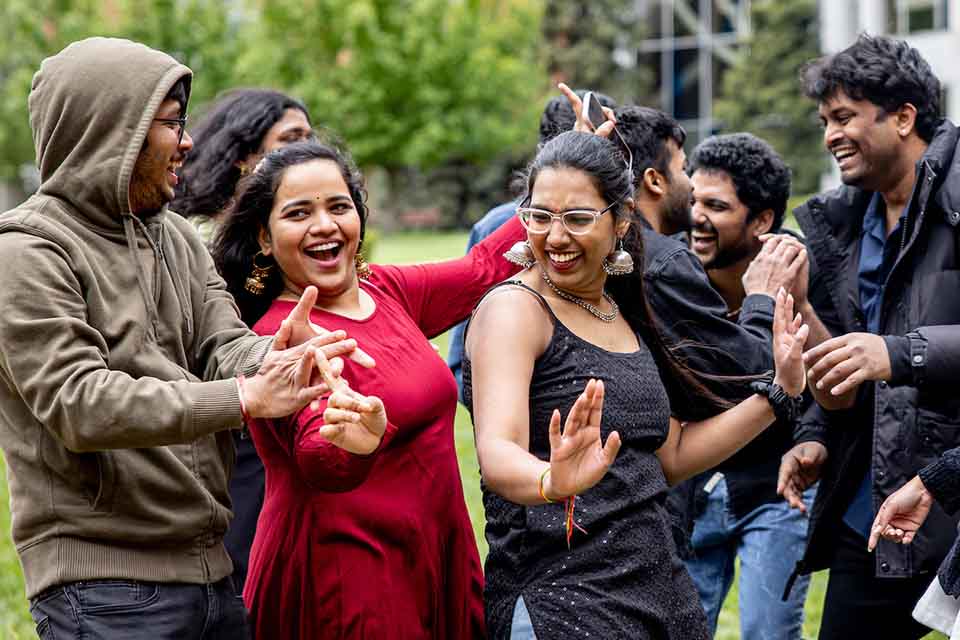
[(785, 407)]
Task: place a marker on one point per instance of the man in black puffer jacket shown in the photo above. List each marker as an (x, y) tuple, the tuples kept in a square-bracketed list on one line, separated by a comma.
[(889, 247)]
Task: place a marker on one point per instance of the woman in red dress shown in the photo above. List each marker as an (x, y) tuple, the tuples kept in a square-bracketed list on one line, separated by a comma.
[(364, 531)]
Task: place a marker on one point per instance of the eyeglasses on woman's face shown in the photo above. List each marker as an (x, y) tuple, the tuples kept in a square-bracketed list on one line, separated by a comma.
[(577, 222)]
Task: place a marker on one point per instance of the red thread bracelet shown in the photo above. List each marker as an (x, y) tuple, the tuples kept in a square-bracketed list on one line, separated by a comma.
[(243, 401)]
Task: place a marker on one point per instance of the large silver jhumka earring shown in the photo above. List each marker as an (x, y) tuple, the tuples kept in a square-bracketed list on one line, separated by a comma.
[(618, 262), (521, 254)]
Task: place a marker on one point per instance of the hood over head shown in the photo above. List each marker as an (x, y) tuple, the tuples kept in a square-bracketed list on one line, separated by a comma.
[(90, 108)]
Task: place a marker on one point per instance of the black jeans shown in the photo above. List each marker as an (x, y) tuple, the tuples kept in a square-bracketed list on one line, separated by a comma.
[(129, 609), (860, 605)]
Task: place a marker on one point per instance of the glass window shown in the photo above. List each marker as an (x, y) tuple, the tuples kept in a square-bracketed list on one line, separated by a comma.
[(651, 66), (686, 84), (686, 17), (727, 15), (911, 16)]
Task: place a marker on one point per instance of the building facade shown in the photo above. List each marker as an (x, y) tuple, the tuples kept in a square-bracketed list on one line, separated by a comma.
[(688, 44)]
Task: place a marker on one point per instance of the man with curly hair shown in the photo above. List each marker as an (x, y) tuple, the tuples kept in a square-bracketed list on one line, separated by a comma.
[(889, 247), (740, 191)]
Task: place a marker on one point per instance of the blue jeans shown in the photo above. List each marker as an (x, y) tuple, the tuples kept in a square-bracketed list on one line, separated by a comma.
[(521, 627), (133, 610), (769, 541)]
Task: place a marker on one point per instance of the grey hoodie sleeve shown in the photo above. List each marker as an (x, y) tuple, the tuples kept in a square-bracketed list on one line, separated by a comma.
[(60, 365)]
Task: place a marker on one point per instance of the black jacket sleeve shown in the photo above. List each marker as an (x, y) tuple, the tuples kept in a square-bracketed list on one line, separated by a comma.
[(942, 479), (692, 318), (928, 355)]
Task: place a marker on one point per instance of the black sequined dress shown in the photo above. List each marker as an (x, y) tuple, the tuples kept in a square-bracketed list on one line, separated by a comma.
[(622, 578)]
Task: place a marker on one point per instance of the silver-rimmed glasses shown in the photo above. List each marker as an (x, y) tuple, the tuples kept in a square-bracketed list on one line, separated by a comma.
[(577, 222)]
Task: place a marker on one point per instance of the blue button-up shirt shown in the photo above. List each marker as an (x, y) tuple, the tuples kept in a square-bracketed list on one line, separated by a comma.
[(878, 252)]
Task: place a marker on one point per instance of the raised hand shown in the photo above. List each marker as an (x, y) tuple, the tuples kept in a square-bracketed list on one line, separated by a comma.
[(779, 264), (582, 124), (902, 514), (354, 422), (578, 459), (299, 329), (789, 336)]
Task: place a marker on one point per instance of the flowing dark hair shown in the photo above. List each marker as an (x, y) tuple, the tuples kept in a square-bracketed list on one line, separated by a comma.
[(604, 163), (236, 243), (232, 129)]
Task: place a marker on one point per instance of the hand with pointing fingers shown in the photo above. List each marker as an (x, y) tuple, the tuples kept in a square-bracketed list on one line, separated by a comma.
[(300, 329), (902, 514)]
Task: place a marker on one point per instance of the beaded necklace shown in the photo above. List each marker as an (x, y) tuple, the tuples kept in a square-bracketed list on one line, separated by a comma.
[(593, 309)]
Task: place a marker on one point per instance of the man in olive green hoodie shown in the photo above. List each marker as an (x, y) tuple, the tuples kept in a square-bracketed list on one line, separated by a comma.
[(118, 350)]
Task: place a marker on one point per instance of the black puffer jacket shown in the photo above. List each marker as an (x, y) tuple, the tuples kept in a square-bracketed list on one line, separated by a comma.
[(900, 426)]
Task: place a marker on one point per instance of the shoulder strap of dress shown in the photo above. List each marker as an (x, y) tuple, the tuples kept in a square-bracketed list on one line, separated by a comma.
[(520, 285)]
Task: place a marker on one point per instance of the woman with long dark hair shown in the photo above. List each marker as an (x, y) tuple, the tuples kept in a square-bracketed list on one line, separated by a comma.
[(237, 129), (364, 531), (580, 543)]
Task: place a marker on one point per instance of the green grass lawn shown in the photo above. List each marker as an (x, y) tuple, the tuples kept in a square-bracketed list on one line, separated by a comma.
[(15, 622)]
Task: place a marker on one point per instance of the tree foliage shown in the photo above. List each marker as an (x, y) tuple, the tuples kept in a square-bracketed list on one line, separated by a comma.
[(404, 82), (408, 82), (761, 92), (590, 45)]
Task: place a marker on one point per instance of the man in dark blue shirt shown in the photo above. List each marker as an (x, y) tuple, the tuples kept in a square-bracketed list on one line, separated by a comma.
[(887, 243)]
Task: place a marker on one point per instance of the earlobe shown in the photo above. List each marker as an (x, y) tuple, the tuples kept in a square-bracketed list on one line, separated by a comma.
[(763, 223), (653, 181), (263, 239), (906, 119)]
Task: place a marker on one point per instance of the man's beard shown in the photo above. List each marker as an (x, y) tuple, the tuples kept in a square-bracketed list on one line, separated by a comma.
[(677, 216), (726, 256)]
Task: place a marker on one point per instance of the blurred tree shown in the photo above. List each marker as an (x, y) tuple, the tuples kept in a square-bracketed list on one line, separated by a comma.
[(761, 91), (591, 45), (32, 30), (202, 34), (409, 83)]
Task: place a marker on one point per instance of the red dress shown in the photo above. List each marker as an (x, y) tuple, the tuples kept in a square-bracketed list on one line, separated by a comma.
[(378, 546)]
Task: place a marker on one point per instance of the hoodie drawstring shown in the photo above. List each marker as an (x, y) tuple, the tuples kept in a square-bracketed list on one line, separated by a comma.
[(148, 301), (161, 265), (181, 294)]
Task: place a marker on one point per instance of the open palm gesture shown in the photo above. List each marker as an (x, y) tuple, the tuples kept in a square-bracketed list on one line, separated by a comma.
[(578, 459), (789, 336)]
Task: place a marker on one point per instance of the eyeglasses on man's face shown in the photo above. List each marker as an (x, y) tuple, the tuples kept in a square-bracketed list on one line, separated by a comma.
[(577, 222), (177, 125)]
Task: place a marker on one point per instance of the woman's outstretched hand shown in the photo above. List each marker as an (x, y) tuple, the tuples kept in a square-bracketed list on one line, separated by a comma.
[(578, 459), (789, 336), (352, 421)]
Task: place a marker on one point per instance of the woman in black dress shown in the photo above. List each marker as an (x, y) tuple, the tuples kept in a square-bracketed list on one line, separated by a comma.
[(554, 343)]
